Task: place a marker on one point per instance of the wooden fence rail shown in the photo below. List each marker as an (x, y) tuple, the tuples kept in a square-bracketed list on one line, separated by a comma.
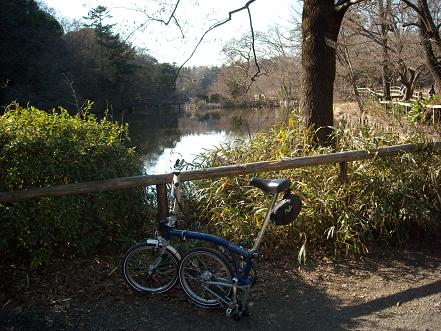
[(208, 173)]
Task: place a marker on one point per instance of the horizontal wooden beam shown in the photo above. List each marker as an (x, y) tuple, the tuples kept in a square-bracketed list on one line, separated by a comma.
[(208, 173)]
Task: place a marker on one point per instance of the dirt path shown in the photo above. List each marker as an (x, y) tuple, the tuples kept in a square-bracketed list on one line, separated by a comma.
[(385, 290)]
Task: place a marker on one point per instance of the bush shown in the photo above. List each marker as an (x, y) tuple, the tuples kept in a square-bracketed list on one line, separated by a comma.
[(39, 149), (391, 200)]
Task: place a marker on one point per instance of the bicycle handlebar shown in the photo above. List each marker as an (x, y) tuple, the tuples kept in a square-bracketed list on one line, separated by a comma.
[(179, 165)]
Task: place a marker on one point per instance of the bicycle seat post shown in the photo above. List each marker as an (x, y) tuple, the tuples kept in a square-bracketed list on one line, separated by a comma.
[(265, 223), (176, 192)]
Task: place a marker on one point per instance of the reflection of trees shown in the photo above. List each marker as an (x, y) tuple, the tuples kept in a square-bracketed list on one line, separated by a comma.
[(151, 132)]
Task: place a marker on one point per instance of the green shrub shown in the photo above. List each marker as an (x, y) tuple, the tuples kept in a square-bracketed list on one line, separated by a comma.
[(39, 149), (391, 199)]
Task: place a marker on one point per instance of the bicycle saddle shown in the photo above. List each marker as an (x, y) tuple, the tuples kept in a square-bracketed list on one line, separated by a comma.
[(271, 185)]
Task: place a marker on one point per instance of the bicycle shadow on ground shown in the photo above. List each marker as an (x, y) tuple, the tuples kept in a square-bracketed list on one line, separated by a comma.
[(279, 305)]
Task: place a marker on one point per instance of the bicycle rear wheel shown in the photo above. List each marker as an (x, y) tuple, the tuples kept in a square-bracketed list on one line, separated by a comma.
[(199, 270), (146, 270)]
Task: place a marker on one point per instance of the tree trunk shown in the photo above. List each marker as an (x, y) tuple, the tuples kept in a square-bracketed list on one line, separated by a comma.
[(408, 77), (432, 61), (431, 39), (320, 28), (384, 44)]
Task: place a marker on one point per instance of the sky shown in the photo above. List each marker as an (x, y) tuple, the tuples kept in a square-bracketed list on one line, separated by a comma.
[(166, 43)]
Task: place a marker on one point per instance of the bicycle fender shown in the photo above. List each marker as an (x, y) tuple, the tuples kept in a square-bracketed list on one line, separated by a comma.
[(169, 247)]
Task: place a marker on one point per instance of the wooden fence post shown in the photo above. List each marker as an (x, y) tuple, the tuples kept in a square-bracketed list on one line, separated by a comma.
[(161, 196), (343, 171)]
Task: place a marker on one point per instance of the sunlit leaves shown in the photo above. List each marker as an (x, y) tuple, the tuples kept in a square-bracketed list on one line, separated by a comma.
[(393, 199), (39, 149)]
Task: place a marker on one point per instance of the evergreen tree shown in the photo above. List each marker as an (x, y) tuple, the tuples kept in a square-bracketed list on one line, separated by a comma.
[(30, 44), (115, 57)]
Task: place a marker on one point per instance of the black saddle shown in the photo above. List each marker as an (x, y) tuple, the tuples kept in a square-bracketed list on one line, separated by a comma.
[(271, 185)]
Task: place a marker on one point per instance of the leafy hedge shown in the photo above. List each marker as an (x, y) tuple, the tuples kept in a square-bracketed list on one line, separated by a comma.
[(392, 200), (39, 149)]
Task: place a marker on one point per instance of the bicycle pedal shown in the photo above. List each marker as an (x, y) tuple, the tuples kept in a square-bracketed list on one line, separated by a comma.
[(244, 311)]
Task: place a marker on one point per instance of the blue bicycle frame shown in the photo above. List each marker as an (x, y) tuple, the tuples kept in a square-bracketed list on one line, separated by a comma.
[(248, 255), (242, 274)]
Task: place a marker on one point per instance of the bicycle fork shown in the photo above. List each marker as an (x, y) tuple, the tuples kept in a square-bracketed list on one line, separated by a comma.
[(161, 245)]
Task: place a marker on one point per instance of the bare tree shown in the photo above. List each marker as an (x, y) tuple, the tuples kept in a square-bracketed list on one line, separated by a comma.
[(429, 30), (344, 58), (394, 47), (372, 23), (321, 21), (384, 12), (284, 55)]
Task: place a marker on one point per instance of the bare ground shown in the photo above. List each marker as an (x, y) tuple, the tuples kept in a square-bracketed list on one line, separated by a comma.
[(387, 289)]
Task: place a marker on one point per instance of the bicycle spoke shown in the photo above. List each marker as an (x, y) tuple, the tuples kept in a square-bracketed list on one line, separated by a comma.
[(197, 270), (146, 271)]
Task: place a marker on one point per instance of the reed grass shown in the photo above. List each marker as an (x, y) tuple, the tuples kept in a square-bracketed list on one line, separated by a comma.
[(392, 200)]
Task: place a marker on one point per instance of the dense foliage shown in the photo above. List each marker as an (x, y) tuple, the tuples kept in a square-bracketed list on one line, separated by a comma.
[(46, 66), (31, 44), (39, 149), (391, 200)]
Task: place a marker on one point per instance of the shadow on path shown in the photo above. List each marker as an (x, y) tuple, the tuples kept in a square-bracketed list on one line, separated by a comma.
[(85, 297)]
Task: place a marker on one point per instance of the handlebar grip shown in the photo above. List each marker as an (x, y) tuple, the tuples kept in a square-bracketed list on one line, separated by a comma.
[(179, 164)]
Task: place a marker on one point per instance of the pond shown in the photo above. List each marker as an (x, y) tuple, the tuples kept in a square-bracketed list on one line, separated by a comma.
[(166, 134)]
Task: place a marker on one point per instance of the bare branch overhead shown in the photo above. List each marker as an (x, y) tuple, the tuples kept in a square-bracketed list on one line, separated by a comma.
[(253, 39), (413, 6), (214, 26), (411, 24), (150, 18)]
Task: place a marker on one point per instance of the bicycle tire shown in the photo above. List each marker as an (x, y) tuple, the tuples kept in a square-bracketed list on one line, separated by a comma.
[(141, 273), (201, 265)]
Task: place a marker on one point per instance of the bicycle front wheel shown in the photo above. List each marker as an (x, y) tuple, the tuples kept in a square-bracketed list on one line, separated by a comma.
[(147, 270), (205, 277)]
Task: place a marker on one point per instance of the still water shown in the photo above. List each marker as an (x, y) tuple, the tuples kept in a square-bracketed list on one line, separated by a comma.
[(166, 134)]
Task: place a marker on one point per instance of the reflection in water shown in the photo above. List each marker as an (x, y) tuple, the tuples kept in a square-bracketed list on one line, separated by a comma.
[(168, 134), (187, 148)]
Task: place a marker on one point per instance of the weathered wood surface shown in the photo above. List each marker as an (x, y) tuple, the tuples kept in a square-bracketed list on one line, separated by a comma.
[(208, 173), (161, 197), (436, 113), (395, 92)]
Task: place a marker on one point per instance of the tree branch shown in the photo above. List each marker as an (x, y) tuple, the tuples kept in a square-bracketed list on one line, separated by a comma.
[(172, 17), (411, 5), (214, 26), (342, 5), (258, 73), (374, 36), (405, 25)]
